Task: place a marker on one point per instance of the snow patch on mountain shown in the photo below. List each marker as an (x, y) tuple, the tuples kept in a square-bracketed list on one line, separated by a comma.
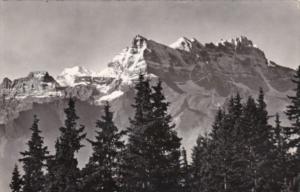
[(108, 72), (182, 43), (113, 95), (68, 75), (186, 44)]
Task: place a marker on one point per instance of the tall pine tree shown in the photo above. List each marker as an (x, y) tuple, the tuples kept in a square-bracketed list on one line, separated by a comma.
[(239, 173), (34, 160), (63, 169), (203, 175), (263, 146), (229, 156), (16, 181), (248, 128), (136, 167), (214, 154), (231, 159), (281, 156), (293, 113), (153, 159), (102, 171), (165, 144)]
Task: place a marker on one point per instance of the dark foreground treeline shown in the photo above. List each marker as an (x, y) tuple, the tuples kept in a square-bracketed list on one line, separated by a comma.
[(242, 153)]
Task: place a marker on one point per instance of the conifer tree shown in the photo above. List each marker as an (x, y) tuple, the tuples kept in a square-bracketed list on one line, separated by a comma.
[(153, 160), (16, 181), (239, 172), (232, 149), (281, 157), (217, 152), (34, 160), (218, 122), (165, 144), (222, 155), (101, 173), (263, 146), (135, 161), (214, 154), (229, 163), (293, 113), (235, 106), (243, 152), (204, 175), (248, 132), (63, 167)]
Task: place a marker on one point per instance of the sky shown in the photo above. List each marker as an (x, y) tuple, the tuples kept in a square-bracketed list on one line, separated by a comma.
[(53, 35)]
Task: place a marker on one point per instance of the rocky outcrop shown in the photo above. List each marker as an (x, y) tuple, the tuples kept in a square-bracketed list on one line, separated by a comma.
[(35, 81), (6, 83)]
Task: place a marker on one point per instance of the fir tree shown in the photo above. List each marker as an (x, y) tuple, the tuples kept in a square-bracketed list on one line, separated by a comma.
[(235, 107), (281, 157), (153, 160), (135, 161), (218, 122), (101, 173), (228, 165), (231, 145), (203, 173), (165, 144), (214, 154), (16, 181), (34, 160), (293, 113), (248, 128), (63, 167), (263, 146), (239, 172), (239, 155)]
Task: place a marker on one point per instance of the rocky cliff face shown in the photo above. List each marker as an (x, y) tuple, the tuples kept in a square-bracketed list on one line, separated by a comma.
[(198, 78)]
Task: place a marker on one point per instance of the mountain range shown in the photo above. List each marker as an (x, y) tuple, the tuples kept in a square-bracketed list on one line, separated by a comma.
[(197, 79)]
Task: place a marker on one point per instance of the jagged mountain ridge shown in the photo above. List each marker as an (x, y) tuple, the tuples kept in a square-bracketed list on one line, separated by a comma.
[(190, 70), (197, 80)]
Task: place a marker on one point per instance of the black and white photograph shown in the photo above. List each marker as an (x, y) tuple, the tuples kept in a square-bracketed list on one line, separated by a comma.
[(149, 96)]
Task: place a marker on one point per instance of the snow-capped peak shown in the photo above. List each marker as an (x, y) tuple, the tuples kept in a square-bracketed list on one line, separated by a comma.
[(76, 71), (68, 75), (108, 72), (185, 44), (182, 43)]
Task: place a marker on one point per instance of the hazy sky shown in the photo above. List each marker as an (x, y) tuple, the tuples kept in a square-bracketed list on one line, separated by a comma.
[(40, 35)]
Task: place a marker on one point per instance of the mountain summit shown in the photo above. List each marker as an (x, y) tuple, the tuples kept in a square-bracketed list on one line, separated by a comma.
[(197, 80)]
